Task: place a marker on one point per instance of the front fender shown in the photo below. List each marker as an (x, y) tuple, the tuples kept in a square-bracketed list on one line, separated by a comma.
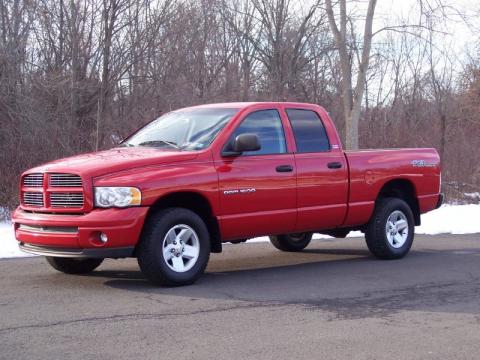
[(157, 181)]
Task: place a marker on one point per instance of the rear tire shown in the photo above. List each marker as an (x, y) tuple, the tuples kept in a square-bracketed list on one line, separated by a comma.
[(291, 242), (174, 248), (74, 265), (390, 232)]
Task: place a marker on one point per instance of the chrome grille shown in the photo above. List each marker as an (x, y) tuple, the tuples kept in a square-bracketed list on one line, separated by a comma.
[(66, 200), (65, 180), (33, 180), (33, 199)]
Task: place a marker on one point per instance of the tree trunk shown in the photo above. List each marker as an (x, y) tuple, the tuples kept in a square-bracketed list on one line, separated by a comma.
[(351, 98), (109, 17)]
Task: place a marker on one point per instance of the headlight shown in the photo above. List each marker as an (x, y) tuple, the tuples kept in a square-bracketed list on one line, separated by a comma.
[(117, 196)]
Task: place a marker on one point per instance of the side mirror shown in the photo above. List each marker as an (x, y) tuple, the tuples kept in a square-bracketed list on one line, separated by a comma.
[(246, 142), (242, 143)]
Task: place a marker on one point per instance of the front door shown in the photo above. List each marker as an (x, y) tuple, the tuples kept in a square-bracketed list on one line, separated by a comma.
[(258, 188)]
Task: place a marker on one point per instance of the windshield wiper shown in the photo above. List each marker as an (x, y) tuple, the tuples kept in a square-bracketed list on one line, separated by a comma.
[(159, 143)]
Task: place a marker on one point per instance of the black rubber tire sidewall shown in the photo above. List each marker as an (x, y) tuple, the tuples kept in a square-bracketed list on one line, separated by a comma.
[(375, 234), (74, 265), (149, 251), (287, 243)]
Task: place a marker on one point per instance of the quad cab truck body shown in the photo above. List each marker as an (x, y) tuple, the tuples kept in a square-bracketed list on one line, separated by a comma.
[(198, 177)]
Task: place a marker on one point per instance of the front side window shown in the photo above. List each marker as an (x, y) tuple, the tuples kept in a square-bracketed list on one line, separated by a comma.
[(189, 129), (267, 125), (309, 132)]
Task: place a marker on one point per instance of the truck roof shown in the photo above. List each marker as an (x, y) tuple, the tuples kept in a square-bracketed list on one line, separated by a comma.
[(241, 105)]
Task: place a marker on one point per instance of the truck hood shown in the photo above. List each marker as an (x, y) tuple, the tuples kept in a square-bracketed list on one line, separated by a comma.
[(114, 160)]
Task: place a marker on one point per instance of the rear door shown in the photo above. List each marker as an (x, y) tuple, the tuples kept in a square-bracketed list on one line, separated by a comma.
[(258, 188), (322, 174)]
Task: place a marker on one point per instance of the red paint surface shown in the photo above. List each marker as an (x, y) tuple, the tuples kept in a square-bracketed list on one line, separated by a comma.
[(312, 197)]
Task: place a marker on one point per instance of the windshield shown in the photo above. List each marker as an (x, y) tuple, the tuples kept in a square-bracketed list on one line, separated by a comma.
[(189, 129)]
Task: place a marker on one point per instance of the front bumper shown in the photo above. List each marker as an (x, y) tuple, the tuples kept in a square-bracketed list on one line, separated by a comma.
[(79, 235)]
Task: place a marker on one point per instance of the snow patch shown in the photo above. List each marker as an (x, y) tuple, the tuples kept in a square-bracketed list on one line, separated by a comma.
[(473, 195), (8, 244), (450, 219)]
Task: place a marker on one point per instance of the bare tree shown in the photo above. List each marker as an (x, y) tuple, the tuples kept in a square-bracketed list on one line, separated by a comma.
[(352, 95), (76, 76)]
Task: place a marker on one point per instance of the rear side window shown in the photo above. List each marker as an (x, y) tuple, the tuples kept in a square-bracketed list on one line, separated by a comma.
[(309, 132), (267, 125)]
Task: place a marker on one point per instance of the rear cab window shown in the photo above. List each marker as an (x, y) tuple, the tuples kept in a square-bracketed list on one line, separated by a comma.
[(308, 130)]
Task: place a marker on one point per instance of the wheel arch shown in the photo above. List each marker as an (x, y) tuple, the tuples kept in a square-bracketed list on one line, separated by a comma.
[(403, 189), (197, 203)]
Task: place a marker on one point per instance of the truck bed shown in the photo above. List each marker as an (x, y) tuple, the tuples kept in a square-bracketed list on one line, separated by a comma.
[(370, 170)]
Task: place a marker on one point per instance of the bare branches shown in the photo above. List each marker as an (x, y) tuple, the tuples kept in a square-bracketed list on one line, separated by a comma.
[(352, 95), (79, 75)]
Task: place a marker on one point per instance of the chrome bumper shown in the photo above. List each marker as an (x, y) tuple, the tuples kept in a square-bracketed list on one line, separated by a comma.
[(115, 253)]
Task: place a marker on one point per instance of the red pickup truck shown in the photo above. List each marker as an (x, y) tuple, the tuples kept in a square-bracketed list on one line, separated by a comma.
[(174, 191)]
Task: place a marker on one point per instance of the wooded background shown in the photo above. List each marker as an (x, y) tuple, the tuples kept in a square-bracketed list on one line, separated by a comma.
[(76, 76)]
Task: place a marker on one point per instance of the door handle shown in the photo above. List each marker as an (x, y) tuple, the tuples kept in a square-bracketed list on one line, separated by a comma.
[(284, 168), (334, 165)]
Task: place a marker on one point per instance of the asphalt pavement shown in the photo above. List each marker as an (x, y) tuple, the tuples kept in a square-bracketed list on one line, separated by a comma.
[(331, 301)]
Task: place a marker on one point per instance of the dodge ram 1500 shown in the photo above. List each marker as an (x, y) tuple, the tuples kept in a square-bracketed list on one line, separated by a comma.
[(174, 191)]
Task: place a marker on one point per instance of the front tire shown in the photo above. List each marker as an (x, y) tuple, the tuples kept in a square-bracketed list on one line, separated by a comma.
[(390, 232), (74, 265), (291, 242), (174, 248)]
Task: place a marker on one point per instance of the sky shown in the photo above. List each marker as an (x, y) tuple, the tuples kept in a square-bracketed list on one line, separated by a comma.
[(455, 39), (460, 34)]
